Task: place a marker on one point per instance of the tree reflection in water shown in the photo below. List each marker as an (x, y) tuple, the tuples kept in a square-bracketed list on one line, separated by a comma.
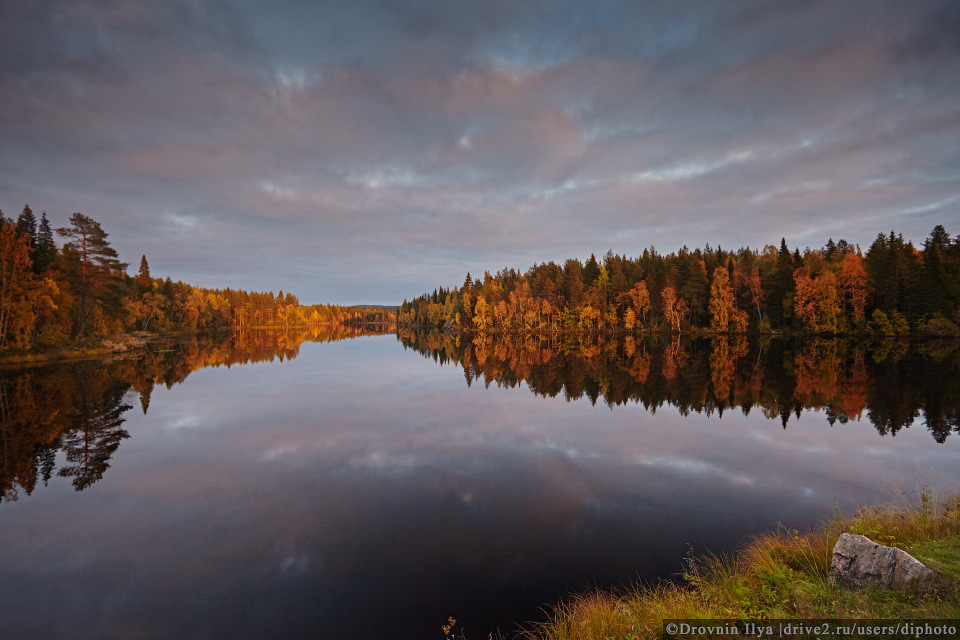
[(889, 382), (78, 408)]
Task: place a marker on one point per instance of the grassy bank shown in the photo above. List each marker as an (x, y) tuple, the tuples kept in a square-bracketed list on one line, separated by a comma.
[(780, 575)]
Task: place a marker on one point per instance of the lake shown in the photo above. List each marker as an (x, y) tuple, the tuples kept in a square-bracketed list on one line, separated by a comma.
[(341, 485)]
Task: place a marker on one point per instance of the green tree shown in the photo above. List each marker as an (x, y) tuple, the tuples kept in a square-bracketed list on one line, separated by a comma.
[(46, 250), (780, 295), (890, 264), (934, 275), (96, 430), (27, 223), (695, 287), (591, 270)]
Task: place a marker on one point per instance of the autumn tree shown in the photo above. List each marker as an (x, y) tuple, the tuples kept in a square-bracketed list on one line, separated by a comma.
[(640, 299), (722, 305), (16, 285), (828, 302), (853, 284), (816, 303), (482, 317), (674, 308), (145, 309), (603, 286), (748, 280)]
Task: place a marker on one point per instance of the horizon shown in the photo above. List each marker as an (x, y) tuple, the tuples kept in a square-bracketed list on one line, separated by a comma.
[(368, 153)]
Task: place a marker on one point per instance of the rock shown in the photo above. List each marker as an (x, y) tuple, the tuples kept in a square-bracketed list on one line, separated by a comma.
[(858, 562)]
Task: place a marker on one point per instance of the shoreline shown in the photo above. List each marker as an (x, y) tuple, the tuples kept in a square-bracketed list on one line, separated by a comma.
[(135, 343), (779, 575)]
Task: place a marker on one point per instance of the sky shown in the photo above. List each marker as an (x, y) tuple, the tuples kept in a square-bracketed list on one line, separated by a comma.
[(364, 152)]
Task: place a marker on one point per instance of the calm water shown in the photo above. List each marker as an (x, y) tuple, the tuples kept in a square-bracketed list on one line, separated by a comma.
[(357, 489)]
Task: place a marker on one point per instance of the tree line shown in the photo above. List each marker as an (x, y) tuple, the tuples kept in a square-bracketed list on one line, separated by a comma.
[(52, 296), (892, 289)]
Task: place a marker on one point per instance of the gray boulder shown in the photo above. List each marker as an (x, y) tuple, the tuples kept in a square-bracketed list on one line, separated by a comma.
[(859, 562)]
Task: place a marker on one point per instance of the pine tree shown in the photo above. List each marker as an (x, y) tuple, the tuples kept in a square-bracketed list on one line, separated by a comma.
[(572, 283), (96, 265)]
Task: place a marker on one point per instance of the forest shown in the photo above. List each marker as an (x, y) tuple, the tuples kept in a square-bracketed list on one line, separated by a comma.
[(80, 293), (894, 288)]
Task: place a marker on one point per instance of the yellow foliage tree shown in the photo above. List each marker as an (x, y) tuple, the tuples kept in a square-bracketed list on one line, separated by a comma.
[(722, 305)]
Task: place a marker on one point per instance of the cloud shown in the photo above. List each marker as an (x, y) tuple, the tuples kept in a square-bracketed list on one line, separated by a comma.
[(365, 152)]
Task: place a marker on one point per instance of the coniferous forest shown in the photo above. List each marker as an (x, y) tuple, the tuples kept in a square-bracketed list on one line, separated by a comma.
[(79, 293), (892, 288)]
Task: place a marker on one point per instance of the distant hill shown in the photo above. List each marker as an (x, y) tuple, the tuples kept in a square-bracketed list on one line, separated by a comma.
[(388, 307)]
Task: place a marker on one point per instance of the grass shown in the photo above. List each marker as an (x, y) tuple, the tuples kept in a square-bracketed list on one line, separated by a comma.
[(781, 574)]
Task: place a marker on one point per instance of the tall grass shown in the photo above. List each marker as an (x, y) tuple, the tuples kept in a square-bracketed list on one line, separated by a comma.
[(780, 574)]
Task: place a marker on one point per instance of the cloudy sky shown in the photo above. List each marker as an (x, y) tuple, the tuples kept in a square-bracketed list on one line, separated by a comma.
[(367, 151)]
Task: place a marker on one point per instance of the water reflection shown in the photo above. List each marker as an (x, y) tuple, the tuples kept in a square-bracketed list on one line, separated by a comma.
[(78, 409), (891, 383), (358, 490)]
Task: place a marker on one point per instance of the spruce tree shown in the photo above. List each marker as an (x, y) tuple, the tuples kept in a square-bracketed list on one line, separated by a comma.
[(144, 281), (27, 223), (46, 253), (934, 283), (782, 285)]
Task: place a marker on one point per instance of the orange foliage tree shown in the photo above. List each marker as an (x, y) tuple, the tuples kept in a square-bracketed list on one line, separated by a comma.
[(16, 287), (853, 283)]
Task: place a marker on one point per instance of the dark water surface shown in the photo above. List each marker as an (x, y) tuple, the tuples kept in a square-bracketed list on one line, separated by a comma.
[(356, 489)]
